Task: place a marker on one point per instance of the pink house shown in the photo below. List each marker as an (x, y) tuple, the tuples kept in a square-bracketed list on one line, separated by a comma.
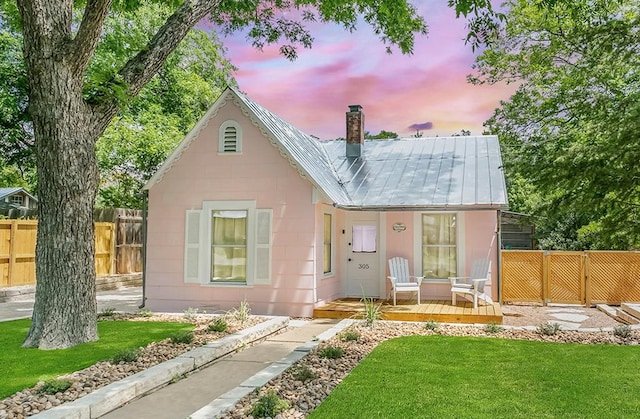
[(250, 207)]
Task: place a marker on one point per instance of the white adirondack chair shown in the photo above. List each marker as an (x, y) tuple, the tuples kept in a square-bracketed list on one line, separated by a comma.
[(472, 286), (400, 279)]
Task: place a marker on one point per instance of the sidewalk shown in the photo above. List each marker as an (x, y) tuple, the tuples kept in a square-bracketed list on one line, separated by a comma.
[(207, 392), (123, 299)]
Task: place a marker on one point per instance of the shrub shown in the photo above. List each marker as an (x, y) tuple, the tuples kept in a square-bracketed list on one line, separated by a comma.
[(190, 313), (107, 312), (304, 373), (125, 355), (218, 325), (182, 337), (144, 312), (242, 313), (372, 311), (269, 406), (549, 329), (331, 352), (622, 331), (431, 325), (493, 328), (349, 336), (54, 386)]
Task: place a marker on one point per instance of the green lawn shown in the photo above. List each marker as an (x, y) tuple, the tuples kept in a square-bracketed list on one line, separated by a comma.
[(21, 368), (457, 377)]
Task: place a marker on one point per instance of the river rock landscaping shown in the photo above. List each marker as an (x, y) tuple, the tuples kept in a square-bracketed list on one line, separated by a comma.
[(309, 381)]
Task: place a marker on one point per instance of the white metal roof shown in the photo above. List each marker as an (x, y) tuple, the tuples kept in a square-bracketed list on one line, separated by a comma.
[(411, 173)]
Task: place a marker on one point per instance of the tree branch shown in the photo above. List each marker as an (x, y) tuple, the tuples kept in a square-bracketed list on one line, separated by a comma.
[(141, 68), (83, 46)]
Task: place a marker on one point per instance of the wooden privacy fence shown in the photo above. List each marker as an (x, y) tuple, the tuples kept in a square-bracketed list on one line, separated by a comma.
[(590, 277), (18, 244)]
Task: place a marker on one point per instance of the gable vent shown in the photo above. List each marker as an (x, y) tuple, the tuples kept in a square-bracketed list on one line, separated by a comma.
[(230, 138)]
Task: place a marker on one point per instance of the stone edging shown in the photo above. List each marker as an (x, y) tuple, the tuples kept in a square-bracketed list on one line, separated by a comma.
[(114, 395), (228, 400)]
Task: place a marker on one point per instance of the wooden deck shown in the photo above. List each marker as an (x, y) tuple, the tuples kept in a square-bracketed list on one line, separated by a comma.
[(407, 310)]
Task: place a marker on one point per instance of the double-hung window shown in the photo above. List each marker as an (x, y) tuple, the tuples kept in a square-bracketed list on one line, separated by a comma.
[(328, 228), (439, 245), (229, 246), (228, 242)]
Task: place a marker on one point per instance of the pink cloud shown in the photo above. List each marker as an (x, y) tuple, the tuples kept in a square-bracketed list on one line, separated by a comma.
[(395, 91)]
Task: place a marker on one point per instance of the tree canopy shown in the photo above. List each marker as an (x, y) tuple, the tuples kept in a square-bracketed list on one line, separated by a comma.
[(570, 132)]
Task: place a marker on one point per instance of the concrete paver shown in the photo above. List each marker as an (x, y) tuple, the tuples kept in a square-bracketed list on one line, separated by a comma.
[(225, 376)]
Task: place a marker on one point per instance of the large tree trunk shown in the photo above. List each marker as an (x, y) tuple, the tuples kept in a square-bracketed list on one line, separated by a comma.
[(66, 129), (65, 309)]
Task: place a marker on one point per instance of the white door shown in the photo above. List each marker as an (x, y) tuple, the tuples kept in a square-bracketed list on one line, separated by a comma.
[(363, 254)]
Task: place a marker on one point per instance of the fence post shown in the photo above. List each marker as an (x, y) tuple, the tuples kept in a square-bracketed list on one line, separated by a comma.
[(13, 230), (546, 266), (586, 282)]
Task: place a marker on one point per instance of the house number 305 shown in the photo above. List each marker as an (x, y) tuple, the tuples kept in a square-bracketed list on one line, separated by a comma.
[(363, 266)]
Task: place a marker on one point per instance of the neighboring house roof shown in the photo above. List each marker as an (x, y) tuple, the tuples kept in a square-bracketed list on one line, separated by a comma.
[(416, 173), (428, 173), (4, 192)]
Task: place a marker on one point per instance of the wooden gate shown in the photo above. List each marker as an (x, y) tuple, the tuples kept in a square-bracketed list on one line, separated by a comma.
[(591, 277)]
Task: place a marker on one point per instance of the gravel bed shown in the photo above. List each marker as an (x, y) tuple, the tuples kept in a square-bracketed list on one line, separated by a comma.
[(303, 397), (30, 401)]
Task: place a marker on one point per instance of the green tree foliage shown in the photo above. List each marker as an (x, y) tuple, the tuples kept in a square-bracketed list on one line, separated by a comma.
[(17, 164), (570, 132), (138, 140), (147, 128), (382, 135)]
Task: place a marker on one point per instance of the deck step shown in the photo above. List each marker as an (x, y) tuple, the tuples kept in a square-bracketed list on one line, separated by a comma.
[(606, 309), (631, 308), (626, 317)]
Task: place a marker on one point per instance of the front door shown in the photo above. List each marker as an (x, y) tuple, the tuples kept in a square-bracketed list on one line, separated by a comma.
[(363, 254)]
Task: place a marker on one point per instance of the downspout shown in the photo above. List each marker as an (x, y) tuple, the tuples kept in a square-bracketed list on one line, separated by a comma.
[(499, 267), (145, 197)]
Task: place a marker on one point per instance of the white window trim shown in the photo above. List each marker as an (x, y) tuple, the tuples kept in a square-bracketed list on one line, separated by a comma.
[(226, 124), (205, 240), (332, 213), (417, 243)]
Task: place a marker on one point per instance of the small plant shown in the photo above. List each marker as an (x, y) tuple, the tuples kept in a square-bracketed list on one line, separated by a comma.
[(493, 328), (372, 311), (54, 386), (182, 337), (190, 314), (107, 312), (177, 378), (218, 325), (431, 325), (622, 331), (304, 373), (144, 312), (125, 355), (242, 313), (269, 406), (331, 352), (549, 329), (349, 336)]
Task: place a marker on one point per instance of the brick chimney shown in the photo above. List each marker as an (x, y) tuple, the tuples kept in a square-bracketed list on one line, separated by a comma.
[(355, 131)]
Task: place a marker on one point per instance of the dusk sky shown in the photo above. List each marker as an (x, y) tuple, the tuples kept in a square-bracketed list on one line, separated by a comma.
[(397, 92)]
